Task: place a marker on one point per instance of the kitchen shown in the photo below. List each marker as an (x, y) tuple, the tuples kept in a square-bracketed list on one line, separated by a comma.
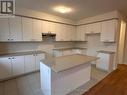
[(22, 44)]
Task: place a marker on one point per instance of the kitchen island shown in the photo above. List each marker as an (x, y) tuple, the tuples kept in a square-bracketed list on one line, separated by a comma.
[(61, 75)]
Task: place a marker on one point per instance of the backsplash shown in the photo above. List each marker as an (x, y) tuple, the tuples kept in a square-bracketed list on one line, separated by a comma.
[(94, 44), (29, 46)]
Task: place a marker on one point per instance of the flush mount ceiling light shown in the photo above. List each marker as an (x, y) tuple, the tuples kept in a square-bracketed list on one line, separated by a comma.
[(62, 9)]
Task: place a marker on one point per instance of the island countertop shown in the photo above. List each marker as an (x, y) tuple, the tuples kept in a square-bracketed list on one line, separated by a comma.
[(62, 63)]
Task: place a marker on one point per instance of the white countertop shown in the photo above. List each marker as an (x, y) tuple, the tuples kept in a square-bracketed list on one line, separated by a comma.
[(63, 63)]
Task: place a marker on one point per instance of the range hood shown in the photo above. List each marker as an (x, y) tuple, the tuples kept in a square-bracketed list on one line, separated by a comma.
[(48, 36)]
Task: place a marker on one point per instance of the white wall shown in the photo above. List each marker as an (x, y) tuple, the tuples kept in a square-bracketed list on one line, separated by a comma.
[(125, 55)]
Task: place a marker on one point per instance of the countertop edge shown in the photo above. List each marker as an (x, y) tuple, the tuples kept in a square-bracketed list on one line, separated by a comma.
[(21, 53)]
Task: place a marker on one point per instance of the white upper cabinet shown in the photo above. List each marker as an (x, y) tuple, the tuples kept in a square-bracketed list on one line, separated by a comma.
[(80, 35), (5, 67), (45, 27), (17, 65), (52, 27), (70, 33), (96, 27), (27, 29), (109, 29), (93, 28), (65, 32), (37, 30), (48, 27), (4, 30), (60, 32), (15, 29), (88, 29)]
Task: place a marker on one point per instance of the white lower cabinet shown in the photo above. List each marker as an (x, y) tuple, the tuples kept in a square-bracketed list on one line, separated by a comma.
[(5, 67), (38, 58), (29, 63), (32, 62), (105, 62), (17, 65)]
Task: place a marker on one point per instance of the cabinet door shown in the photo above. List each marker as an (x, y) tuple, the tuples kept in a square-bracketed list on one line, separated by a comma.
[(73, 33), (15, 29), (93, 28), (17, 65), (103, 62), (4, 30), (29, 63), (46, 26), (80, 33), (37, 30), (52, 27), (96, 27), (27, 29), (60, 32), (5, 67), (70, 33), (38, 58), (88, 29), (109, 29)]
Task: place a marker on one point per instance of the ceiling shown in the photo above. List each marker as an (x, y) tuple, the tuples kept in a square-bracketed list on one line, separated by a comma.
[(81, 8)]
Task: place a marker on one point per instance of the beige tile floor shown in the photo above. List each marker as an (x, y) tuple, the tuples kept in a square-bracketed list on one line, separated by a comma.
[(30, 84)]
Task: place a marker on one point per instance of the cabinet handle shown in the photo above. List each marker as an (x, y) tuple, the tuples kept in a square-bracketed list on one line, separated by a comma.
[(8, 39), (9, 58), (13, 57)]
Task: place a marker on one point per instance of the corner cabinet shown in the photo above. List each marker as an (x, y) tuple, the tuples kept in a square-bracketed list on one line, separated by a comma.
[(109, 30)]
